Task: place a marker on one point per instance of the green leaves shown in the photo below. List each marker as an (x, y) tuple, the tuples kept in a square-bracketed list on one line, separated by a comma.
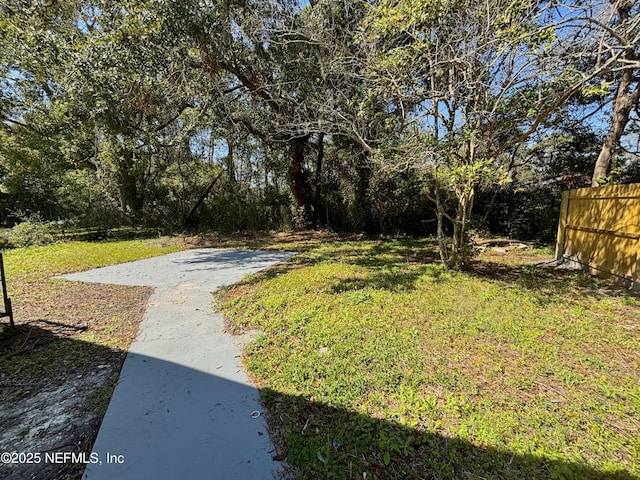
[(467, 86), (594, 91)]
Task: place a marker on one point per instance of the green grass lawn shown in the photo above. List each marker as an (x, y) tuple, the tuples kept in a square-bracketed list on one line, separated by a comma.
[(65, 257), (375, 362)]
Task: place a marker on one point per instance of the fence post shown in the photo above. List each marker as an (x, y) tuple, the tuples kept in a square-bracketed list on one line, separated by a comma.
[(562, 225), (8, 310)]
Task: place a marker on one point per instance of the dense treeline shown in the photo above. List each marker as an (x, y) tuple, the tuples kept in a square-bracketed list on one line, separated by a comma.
[(432, 117)]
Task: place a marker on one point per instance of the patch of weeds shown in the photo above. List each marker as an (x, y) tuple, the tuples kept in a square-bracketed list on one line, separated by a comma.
[(357, 297), (258, 343)]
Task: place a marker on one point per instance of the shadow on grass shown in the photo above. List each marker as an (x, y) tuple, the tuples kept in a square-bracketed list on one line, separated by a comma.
[(389, 264), (397, 265), (318, 441), (44, 346), (547, 278), (388, 259), (381, 448), (322, 442)]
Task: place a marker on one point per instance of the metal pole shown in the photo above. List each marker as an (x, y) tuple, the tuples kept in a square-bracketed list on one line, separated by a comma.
[(7, 300)]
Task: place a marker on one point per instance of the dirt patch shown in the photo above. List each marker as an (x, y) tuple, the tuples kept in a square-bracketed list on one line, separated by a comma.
[(54, 419), (261, 239), (58, 368)]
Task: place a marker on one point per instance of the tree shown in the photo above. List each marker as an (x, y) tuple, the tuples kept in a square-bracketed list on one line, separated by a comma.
[(123, 87), (620, 37), (462, 86), (139, 91), (234, 44), (282, 69), (36, 131), (599, 42)]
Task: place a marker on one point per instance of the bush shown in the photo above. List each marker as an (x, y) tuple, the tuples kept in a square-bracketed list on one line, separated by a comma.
[(28, 233)]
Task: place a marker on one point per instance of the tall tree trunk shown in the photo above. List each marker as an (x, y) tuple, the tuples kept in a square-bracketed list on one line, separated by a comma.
[(319, 159), (362, 215), (461, 249), (441, 214), (622, 107), (231, 170), (296, 174), (131, 199), (626, 99), (318, 180), (212, 147)]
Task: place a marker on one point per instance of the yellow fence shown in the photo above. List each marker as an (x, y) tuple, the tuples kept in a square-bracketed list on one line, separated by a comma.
[(599, 230)]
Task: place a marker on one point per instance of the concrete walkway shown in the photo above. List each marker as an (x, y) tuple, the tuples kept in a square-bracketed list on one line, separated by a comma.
[(183, 408)]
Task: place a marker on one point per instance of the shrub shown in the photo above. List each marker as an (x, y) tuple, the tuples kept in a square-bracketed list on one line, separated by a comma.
[(30, 232)]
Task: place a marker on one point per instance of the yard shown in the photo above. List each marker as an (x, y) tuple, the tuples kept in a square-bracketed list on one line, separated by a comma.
[(377, 363), (380, 352), (374, 361)]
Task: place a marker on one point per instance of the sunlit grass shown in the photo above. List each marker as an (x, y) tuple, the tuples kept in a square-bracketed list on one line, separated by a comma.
[(74, 256), (529, 372)]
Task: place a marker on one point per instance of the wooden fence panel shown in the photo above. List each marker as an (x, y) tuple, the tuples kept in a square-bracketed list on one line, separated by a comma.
[(599, 229)]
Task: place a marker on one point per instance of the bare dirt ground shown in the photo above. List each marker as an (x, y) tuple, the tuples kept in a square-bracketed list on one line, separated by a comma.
[(58, 368)]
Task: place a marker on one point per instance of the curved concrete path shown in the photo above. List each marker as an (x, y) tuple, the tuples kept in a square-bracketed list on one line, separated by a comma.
[(183, 406)]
